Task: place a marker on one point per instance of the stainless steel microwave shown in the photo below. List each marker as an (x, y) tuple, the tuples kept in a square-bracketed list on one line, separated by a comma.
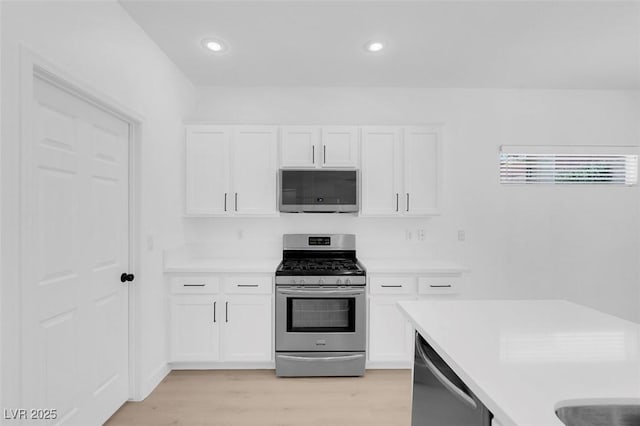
[(318, 190)]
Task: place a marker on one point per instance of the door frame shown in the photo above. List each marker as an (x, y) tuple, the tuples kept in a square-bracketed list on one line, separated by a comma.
[(33, 65)]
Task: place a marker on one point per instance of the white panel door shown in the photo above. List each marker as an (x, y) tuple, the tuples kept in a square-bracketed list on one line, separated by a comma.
[(298, 146), (390, 334), (247, 329), (254, 170), (75, 246), (339, 146), (195, 322), (422, 175), (381, 186), (207, 170)]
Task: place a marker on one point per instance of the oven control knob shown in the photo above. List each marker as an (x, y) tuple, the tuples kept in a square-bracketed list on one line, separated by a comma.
[(301, 281), (320, 281), (338, 281), (293, 281), (347, 281)]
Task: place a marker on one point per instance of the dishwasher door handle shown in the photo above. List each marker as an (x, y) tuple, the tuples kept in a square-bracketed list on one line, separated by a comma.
[(462, 395)]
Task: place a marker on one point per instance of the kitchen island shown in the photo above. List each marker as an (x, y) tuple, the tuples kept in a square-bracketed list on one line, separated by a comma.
[(525, 359)]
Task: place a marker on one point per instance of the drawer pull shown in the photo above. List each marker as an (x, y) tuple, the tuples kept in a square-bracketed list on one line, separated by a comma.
[(193, 285), (391, 285), (247, 285), (440, 285)]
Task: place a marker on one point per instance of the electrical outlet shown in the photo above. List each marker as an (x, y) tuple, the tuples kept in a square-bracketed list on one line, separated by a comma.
[(240, 234), (461, 235), (421, 234), (408, 235)]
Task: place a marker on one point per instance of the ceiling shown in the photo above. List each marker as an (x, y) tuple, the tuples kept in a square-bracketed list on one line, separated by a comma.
[(470, 44)]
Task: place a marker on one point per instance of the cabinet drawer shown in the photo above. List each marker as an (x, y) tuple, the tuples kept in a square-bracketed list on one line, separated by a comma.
[(252, 285), (195, 284), (392, 285), (448, 284)]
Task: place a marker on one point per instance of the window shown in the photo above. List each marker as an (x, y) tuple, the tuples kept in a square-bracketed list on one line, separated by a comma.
[(569, 165)]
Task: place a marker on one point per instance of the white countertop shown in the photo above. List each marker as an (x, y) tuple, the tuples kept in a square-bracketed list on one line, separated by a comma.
[(222, 265), (410, 266), (524, 359)]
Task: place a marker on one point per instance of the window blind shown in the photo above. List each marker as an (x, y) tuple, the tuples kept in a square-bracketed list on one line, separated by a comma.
[(568, 165)]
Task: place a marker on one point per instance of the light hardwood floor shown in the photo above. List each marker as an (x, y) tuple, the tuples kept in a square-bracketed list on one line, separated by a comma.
[(258, 397)]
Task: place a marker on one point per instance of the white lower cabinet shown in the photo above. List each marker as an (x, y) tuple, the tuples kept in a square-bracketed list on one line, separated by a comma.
[(221, 326), (495, 422), (390, 334), (194, 328), (247, 328)]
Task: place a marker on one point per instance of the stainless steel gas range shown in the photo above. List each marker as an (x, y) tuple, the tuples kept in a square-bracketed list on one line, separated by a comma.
[(320, 307)]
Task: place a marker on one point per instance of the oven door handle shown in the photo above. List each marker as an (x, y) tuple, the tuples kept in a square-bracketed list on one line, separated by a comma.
[(323, 292), (321, 358)]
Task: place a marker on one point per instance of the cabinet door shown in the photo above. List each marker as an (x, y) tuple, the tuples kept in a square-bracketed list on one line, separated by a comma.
[(380, 171), (298, 147), (247, 328), (195, 328), (339, 146), (207, 172), (422, 174), (254, 169), (390, 334)]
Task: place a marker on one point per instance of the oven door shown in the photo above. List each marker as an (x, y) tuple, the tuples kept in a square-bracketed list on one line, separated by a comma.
[(320, 319)]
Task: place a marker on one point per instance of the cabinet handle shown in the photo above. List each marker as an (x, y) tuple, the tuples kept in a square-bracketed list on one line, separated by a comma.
[(247, 285), (313, 154), (236, 201), (324, 154), (226, 311), (407, 201), (225, 201), (440, 285), (193, 285), (391, 285), (214, 311), (397, 201)]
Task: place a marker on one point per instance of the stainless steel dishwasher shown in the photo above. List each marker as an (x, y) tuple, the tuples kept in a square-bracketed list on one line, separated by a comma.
[(440, 397)]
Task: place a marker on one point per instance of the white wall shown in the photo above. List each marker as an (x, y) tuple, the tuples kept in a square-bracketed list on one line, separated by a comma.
[(580, 243), (100, 45)]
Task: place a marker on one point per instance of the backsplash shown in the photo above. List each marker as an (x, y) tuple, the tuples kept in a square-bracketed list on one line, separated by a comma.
[(262, 237)]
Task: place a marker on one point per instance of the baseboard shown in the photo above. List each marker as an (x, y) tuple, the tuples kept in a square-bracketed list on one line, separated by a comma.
[(383, 365), (194, 365), (152, 381)]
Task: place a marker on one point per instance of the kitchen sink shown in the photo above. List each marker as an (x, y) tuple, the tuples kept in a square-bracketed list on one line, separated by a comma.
[(600, 415)]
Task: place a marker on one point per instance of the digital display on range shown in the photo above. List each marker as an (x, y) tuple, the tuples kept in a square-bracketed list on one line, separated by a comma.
[(319, 241)]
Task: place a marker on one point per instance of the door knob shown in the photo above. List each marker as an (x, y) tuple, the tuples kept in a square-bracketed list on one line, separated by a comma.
[(126, 277)]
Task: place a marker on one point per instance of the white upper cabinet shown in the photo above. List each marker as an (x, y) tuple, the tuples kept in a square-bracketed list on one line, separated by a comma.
[(313, 147), (207, 171), (254, 170), (380, 173), (401, 171), (231, 170), (339, 146), (298, 146), (422, 177)]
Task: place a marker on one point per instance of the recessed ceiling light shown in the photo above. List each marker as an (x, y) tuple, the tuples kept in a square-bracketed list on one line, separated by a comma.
[(374, 46), (215, 45)]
